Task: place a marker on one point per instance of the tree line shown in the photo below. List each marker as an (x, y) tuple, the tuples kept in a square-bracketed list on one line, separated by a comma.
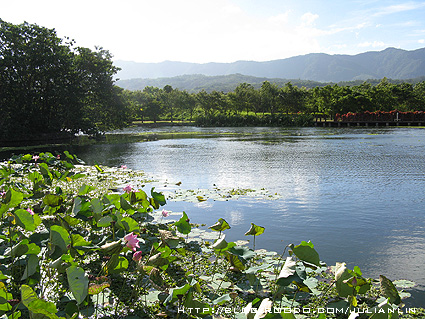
[(173, 104), (49, 86)]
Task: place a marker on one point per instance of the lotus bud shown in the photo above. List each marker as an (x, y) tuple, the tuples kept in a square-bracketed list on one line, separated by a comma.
[(137, 255)]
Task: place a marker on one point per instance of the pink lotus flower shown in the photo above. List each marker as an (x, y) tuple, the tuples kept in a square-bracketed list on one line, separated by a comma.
[(124, 166), (35, 157), (165, 213), (29, 210), (58, 157), (128, 189), (137, 255), (132, 241)]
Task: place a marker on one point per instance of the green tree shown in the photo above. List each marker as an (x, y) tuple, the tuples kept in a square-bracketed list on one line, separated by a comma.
[(382, 96), (291, 98), (403, 96), (363, 95), (269, 97), (48, 87), (256, 101), (205, 102), (104, 106), (344, 101), (219, 102), (135, 99), (37, 82), (419, 96), (151, 102), (324, 99), (168, 96), (244, 97), (187, 103)]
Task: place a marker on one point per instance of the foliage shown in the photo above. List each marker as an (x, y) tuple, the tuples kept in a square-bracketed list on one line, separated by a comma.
[(256, 120), (70, 247), (51, 89), (273, 105)]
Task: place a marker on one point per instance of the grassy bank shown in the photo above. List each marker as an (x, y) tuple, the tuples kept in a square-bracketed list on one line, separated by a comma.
[(265, 120)]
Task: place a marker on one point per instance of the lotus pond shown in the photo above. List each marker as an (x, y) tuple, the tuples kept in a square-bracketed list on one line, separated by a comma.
[(112, 241), (357, 193)]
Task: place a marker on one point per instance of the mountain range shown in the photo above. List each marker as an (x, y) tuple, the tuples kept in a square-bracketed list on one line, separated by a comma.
[(309, 70), (391, 63)]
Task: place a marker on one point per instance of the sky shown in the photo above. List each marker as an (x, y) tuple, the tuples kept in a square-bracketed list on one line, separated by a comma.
[(203, 31)]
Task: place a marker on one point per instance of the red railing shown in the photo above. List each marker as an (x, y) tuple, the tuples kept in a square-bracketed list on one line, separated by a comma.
[(380, 116)]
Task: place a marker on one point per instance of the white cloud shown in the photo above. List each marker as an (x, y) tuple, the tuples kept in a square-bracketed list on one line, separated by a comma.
[(333, 29), (280, 20), (231, 9), (187, 30), (374, 44), (309, 18), (210, 30), (398, 8), (421, 41)]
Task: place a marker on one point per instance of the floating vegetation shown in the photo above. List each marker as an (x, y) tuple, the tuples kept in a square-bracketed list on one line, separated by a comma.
[(218, 194)]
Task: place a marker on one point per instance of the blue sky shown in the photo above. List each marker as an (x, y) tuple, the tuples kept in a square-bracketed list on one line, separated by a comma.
[(227, 30)]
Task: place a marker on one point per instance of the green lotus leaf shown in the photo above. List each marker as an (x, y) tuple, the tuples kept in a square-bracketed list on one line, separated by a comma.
[(255, 230), (388, 290), (78, 283), (306, 252), (183, 225), (220, 226)]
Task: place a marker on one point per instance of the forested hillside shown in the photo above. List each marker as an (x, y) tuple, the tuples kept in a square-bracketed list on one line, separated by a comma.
[(198, 82), (227, 83)]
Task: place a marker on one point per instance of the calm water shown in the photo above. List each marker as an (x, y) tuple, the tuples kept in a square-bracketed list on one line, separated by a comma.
[(356, 193)]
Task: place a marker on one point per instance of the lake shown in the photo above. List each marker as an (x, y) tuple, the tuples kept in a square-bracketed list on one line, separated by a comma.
[(356, 193)]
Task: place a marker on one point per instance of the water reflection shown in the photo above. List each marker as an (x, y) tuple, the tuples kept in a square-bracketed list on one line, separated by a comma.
[(235, 218)]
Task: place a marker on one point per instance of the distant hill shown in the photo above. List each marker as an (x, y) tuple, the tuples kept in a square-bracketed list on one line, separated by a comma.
[(198, 82), (391, 63), (226, 83)]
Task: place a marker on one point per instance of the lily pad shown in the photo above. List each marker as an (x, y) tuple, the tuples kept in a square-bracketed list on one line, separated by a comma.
[(404, 284)]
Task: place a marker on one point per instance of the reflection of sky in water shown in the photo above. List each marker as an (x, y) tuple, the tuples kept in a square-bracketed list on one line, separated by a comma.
[(235, 218), (403, 250), (358, 197)]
